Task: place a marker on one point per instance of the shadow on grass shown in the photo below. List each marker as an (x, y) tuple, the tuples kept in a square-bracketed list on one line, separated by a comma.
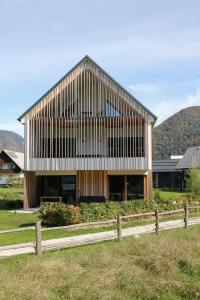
[(10, 204), (27, 224)]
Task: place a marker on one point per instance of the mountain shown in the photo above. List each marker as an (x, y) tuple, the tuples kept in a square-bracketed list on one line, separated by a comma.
[(177, 133), (11, 141)]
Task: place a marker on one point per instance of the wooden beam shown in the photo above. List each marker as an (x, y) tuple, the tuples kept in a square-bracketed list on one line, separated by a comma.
[(31, 198)]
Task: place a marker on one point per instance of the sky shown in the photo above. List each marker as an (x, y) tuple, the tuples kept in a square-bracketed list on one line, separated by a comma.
[(151, 47)]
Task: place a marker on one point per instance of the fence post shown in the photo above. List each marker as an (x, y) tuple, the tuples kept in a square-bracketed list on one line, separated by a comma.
[(38, 238), (186, 214), (157, 222), (119, 228)]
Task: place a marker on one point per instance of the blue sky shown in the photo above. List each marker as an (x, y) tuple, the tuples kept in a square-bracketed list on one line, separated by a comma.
[(151, 47)]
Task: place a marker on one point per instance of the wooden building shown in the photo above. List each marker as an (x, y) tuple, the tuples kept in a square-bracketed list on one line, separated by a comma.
[(11, 163), (166, 175), (87, 139)]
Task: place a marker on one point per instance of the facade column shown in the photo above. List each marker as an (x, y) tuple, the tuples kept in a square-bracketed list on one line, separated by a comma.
[(30, 190), (105, 185), (145, 186), (149, 185), (149, 156)]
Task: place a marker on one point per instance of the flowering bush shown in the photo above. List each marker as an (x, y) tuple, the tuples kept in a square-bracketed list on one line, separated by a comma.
[(59, 214)]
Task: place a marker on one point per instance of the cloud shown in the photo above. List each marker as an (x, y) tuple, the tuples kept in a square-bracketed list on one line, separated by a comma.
[(164, 109)]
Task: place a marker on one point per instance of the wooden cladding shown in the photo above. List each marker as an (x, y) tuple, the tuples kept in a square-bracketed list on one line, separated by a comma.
[(86, 116), (31, 198), (92, 183), (87, 92)]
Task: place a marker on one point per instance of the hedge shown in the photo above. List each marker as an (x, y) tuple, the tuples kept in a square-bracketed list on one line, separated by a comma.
[(11, 198), (58, 214)]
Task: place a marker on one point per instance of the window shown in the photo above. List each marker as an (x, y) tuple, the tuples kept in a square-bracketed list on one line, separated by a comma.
[(56, 148), (112, 111), (8, 166), (126, 147)]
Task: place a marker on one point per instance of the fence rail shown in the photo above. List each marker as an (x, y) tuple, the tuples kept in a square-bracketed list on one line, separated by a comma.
[(118, 221), (17, 230), (81, 225)]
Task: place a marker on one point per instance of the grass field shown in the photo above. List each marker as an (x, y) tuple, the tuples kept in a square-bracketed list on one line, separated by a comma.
[(164, 267), (10, 220), (29, 236)]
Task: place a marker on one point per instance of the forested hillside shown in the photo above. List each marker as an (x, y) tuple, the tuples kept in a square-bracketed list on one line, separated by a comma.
[(11, 141), (177, 133)]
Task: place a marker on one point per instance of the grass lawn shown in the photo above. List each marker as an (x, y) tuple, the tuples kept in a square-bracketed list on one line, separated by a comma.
[(29, 236), (171, 195), (165, 267), (11, 194), (10, 220)]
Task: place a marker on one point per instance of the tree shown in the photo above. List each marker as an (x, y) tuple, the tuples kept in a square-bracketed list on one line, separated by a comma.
[(193, 181), (15, 181)]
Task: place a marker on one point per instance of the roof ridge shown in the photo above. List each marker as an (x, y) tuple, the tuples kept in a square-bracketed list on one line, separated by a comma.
[(70, 71)]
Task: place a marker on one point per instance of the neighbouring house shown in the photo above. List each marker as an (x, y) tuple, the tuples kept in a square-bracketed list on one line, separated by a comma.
[(172, 173), (87, 140), (11, 163), (166, 175), (191, 159)]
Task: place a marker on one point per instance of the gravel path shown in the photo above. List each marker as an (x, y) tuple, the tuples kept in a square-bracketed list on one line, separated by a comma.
[(92, 238)]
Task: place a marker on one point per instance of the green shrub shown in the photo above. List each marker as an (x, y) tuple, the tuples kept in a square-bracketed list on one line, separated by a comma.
[(55, 214), (15, 181), (99, 211), (59, 214), (157, 196), (193, 181)]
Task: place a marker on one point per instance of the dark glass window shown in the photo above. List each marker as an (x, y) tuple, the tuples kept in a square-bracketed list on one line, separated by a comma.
[(126, 147), (135, 187)]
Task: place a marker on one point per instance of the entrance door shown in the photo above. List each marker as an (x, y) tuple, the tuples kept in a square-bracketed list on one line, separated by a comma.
[(116, 187), (135, 187)]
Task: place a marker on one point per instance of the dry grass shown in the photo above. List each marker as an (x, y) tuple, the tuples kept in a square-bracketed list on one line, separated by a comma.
[(151, 267)]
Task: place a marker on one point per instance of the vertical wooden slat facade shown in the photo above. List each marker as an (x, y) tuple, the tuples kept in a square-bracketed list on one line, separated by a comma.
[(87, 122), (30, 190)]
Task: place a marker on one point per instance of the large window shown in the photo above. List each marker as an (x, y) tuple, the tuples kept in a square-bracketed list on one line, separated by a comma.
[(56, 148), (126, 187), (135, 187), (126, 147), (8, 166), (59, 186), (116, 187)]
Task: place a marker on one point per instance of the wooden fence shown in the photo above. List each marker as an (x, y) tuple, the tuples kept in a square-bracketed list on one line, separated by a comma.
[(118, 222)]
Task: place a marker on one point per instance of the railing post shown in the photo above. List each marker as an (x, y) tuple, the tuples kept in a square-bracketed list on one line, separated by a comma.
[(157, 221), (186, 214), (119, 228), (38, 238)]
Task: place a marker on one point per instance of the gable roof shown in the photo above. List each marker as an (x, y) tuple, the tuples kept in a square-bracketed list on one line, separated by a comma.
[(105, 73), (165, 165), (16, 157), (191, 158)]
